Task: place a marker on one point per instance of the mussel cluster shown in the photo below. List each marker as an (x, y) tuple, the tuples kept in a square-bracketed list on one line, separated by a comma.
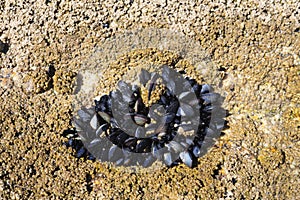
[(179, 127)]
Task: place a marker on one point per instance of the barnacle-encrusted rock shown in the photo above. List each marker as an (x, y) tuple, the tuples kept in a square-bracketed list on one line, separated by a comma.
[(141, 58), (256, 43), (64, 81), (271, 157), (37, 81)]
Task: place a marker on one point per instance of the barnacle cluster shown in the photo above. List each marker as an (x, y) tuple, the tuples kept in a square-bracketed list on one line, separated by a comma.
[(173, 120)]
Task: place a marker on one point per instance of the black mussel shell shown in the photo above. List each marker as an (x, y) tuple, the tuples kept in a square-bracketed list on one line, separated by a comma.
[(124, 125), (144, 77)]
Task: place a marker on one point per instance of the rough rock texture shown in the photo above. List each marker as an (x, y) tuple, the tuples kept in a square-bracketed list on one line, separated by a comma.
[(255, 44)]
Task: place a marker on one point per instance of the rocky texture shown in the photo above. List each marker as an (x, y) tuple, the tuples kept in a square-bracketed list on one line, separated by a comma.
[(256, 46)]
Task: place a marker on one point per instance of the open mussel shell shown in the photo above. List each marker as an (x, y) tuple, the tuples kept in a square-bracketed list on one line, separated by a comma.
[(106, 117), (130, 143), (101, 129), (141, 120)]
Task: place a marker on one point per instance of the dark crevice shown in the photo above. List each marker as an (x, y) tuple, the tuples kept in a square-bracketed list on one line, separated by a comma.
[(4, 47), (105, 25), (216, 172), (222, 69), (234, 181), (47, 2), (31, 170), (88, 179), (17, 134), (51, 72), (201, 183), (55, 170)]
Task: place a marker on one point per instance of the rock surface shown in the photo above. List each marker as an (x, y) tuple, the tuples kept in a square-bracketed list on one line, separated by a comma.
[(255, 45)]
